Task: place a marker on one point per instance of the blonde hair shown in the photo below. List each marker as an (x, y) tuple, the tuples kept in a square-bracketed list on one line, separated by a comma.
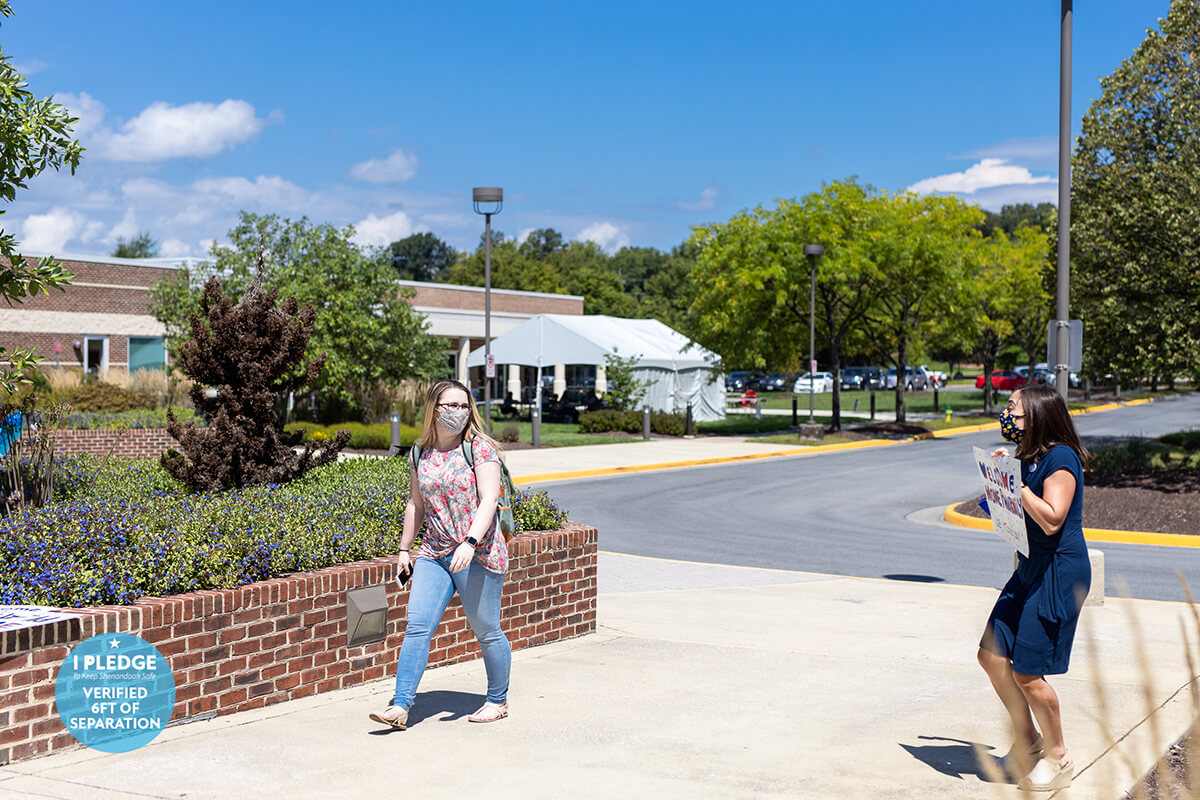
[(474, 422)]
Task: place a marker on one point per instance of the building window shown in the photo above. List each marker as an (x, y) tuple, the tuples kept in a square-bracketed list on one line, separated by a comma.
[(147, 352), (95, 354)]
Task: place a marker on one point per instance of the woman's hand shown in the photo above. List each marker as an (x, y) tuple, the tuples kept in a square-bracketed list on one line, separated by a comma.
[(462, 557), (403, 564), (1000, 452)]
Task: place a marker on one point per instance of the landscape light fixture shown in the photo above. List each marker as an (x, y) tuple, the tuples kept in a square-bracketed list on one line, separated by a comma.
[(487, 200), (813, 251), (366, 615)]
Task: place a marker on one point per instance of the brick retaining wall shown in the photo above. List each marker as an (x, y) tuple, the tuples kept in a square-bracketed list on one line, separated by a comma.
[(134, 443), (237, 649)]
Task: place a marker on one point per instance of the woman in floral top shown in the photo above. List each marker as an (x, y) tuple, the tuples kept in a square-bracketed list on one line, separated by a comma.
[(463, 549)]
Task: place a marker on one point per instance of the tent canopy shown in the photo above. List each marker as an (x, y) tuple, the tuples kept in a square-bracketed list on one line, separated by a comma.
[(549, 339)]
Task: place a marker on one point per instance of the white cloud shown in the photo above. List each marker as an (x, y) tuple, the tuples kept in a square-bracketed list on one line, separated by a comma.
[(1040, 148), (987, 174), (30, 67), (524, 234), (194, 130), (91, 231), (89, 110), (378, 231), (127, 228), (174, 247), (49, 232), (272, 192), (605, 234), (708, 199), (396, 168)]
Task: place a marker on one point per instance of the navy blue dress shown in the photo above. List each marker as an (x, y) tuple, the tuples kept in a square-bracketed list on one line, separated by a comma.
[(1033, 622)]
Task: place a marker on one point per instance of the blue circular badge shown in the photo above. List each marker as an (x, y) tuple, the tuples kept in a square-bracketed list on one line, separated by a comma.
[(115, 692)]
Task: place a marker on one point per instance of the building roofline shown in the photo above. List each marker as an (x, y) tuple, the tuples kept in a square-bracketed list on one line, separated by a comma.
[(461, 288), (154, 263)]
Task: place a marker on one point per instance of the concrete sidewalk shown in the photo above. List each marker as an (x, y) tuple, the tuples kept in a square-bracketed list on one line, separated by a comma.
[(703, 681)]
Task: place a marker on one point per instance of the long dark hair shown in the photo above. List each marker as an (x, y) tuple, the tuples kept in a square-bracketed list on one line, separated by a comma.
[(1047, 423)]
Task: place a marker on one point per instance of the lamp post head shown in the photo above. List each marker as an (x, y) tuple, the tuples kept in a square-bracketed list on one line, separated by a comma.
[(487, 199), (814, 249)]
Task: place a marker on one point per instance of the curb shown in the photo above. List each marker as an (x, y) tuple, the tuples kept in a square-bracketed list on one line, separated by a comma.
[(1091, 534), (698, 462)]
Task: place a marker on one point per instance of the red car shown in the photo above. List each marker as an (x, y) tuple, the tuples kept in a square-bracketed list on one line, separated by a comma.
[(1003, 379)]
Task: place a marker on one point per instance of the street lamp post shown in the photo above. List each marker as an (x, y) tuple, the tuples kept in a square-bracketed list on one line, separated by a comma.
[(487, 200), (813, 251), (1062, 372)]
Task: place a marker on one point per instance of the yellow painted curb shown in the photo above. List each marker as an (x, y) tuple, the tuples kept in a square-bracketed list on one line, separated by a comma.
[(990, 425), (698, 462), (1091, 534)]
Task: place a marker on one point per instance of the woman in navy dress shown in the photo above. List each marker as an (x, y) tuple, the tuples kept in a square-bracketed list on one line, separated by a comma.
[(1031, 629)]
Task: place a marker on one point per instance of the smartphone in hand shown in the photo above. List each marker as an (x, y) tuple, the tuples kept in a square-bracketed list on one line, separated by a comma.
[(402, 576)]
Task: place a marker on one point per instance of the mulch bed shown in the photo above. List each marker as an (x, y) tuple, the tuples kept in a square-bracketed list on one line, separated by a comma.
[(1158, 501)]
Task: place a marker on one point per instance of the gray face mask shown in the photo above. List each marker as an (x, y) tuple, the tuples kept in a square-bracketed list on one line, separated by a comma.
[(454, 421)]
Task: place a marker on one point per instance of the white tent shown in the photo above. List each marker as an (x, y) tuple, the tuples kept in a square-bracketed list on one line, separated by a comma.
[(680, 372)]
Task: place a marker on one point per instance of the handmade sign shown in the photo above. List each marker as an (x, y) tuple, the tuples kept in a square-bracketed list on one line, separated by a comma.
[(1002, 488), (16, 617)]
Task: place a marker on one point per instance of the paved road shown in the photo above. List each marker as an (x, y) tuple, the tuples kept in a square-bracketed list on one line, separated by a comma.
[(850, 513)]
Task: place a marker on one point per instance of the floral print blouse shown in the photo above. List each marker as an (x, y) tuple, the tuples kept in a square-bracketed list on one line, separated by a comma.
[(448, 490)]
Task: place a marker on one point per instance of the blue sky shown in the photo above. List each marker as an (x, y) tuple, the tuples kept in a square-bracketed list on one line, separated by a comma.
[(619, 122)]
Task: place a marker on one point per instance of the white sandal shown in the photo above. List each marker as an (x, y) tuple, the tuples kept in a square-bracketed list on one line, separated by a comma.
[(489, 712), (1046, 776)]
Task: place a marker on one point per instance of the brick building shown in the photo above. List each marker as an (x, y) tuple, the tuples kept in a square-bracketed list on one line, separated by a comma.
[(102, 321)]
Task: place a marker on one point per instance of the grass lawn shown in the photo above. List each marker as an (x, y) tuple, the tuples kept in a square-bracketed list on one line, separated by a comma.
[(557, 434), (885, 402)]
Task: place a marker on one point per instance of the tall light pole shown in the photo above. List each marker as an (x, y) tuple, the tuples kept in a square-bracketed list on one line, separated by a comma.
[(488, 200), (1062, 333), (813, 251)]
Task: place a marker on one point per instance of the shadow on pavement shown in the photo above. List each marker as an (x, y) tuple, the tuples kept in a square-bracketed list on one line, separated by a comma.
[(444, 706), (956, 760), (904, 576)]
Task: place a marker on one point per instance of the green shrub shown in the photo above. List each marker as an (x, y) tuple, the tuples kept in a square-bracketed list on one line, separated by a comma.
[(140, 418), (608, 420), (509, 433), (1136, 455), (136, 531), (362, 437), (99, 396), (1188, 440), (668, 424)]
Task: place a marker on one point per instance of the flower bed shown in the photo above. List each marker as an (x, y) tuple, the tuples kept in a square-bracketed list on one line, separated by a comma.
[(132, 530)]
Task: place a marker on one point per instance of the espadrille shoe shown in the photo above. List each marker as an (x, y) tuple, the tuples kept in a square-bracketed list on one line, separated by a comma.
[(1047, 776), (393, 716), (489, 712)]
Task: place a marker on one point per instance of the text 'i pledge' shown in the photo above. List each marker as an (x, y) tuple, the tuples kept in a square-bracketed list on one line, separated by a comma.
[(114, 662)]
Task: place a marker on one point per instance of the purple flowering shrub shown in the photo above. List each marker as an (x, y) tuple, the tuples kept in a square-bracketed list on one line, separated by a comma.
[(132, 530)]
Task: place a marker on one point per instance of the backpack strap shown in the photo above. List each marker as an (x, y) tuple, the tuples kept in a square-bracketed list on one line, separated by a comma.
[(414, 455), (469, 453)]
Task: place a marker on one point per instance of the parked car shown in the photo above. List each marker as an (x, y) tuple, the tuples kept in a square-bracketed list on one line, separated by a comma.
[(1040, 373), (857, 379), (776, 382), (914, 382), (1005, 380), (820, 382), (736, 381), (932, 377)]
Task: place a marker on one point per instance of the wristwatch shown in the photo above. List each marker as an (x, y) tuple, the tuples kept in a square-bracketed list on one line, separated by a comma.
[(471, 540)]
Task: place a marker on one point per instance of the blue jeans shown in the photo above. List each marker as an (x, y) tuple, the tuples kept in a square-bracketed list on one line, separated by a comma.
[(432, 586)]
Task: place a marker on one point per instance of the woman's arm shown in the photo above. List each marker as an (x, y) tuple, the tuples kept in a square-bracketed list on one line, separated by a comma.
[(487, 483), (1050, 510), (414, 515)]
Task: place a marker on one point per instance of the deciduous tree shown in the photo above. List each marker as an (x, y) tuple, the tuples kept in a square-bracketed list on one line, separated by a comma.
[(1135, 234), (35, 135)]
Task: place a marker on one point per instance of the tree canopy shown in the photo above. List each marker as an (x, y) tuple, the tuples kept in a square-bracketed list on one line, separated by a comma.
[(363, 325), (420, 257), (140, 246), (1135, 195), (35, 135)]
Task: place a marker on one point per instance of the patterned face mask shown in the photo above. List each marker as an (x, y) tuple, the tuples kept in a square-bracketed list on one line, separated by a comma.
[(454, 421), (1009, 429)]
